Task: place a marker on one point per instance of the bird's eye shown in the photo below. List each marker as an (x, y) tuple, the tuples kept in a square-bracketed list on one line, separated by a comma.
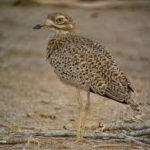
[(60, 20)]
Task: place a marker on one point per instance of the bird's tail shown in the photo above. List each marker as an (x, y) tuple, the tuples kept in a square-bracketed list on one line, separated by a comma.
[(134, 104)]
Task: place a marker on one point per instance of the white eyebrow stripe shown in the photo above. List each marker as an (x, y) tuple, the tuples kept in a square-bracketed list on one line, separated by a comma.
[(61, 16)]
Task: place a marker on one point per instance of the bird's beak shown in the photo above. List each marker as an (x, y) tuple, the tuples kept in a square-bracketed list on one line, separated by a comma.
[(38, 26), (47, 23)]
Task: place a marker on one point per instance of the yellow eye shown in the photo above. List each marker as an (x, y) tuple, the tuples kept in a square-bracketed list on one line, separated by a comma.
[(60, 20)]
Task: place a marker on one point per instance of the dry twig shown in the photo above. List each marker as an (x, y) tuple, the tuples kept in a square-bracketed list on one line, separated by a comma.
[(127, 126), (139, 134)]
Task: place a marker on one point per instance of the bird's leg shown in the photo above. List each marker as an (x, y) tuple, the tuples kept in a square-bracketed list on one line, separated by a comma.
[(80, 111), (86, 112)]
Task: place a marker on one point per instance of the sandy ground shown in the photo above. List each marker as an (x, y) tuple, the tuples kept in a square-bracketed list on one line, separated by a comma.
[(31, 96)]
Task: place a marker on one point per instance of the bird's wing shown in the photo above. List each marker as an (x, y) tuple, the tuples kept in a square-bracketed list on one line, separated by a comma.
[(115, 85)]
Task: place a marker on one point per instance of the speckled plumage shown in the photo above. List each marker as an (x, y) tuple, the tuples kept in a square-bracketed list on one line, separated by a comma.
[(86, 64)]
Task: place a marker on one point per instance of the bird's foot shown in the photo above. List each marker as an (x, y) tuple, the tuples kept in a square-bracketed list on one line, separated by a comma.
[(80, 133), (80, 140)]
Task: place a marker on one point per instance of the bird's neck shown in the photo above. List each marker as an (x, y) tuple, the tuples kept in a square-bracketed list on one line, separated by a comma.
[(63, 34)]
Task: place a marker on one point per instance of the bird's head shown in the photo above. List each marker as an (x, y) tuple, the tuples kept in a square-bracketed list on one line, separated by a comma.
[(58, 22)]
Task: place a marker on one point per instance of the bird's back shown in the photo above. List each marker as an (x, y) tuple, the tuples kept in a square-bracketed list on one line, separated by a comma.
[(86, 64)]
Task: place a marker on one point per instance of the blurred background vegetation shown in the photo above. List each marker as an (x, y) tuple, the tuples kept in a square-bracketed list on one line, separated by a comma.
[(76, 3)]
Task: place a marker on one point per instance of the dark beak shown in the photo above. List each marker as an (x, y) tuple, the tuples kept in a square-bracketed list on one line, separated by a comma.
[(46, 24), (38, 26)]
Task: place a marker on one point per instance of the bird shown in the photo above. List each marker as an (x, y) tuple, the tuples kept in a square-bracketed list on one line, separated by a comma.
[(85, 64)]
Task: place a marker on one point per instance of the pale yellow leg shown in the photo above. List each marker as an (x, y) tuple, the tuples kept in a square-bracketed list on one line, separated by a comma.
[(83, 114), (80, 111), (86, 112)]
